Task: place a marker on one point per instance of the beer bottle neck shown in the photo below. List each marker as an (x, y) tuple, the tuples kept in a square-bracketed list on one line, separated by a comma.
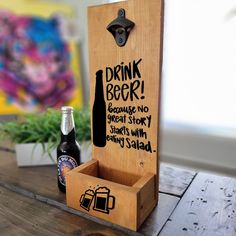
[(99, 94), (67, 128)]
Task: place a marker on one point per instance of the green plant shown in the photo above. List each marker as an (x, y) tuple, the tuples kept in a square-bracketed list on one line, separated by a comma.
[(45, 128)]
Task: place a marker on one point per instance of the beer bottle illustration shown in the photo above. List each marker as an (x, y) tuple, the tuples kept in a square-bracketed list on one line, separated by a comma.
[(99, 113)]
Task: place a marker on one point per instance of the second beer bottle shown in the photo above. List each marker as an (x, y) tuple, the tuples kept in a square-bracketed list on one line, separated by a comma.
[(68, 151)]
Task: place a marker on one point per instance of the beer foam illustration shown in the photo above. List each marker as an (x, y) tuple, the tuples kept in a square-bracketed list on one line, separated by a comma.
[(103, 190), (89, 191)]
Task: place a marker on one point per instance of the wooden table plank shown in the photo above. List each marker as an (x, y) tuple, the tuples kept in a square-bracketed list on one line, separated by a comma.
[(7, 146), (174, 180), (20, 215), (159, 216), (39, 180), (40, 183), (151, 226), (207, 208)]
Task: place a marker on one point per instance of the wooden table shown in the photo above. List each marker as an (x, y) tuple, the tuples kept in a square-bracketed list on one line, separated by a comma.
[(190, 204)]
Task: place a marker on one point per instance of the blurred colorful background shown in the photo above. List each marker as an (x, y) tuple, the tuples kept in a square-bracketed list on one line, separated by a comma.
[(39, 68)]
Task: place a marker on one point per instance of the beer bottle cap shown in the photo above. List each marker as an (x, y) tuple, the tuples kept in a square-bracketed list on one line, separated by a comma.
[(67, 109)]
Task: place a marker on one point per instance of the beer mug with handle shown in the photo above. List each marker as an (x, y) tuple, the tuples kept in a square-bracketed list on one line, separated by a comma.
[(103, 201), (87, 199)]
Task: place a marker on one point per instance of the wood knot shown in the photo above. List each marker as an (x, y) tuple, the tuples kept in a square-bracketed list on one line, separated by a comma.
[(141, 163)]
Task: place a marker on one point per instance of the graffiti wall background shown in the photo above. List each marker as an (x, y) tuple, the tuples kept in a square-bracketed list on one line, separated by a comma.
[(37, 67)]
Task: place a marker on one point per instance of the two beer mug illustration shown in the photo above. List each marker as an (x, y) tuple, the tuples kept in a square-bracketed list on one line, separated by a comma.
[(103, 201)]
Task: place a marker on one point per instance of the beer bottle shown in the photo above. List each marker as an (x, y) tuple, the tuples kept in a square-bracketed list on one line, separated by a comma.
[(68, 151), (99, 113)]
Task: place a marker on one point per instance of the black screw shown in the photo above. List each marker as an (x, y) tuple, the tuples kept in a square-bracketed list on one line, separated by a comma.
[(120, 40), (121, 12)]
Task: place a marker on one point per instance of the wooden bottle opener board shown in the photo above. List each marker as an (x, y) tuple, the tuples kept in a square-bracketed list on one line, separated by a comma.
[(124, 173)]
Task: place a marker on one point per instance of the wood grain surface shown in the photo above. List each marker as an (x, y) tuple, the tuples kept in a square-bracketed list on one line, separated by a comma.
[(131, 204), (153, 225), (207, 208), (38, 180), (174, 180), (41, 183), (20, 215), (7, 145), (124, 163)]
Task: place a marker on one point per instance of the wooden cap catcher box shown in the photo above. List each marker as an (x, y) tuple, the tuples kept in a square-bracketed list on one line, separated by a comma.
[(120, 183)]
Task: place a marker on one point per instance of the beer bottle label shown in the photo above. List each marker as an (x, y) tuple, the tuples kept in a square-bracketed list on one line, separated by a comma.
[(65, 163)]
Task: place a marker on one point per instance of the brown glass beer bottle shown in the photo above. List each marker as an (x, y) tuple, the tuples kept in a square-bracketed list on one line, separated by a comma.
[(68, 151)]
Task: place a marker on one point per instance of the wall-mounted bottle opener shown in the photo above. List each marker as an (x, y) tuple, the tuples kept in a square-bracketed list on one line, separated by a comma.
[(120, 28)]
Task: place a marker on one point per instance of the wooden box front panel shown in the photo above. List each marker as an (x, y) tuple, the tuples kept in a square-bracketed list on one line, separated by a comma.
[(131, 82), (85, 191), (127, 206)]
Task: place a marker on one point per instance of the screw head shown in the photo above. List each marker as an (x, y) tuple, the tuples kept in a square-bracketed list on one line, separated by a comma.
[(121, 12), (120, 40)]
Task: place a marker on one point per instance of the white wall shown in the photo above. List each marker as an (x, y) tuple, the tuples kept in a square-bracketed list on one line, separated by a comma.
[(199, 84), (199, 70)]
